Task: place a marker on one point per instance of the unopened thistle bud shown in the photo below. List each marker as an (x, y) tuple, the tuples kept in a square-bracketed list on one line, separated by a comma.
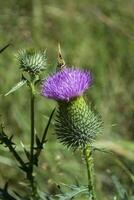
[(32, 61), (76, 124)]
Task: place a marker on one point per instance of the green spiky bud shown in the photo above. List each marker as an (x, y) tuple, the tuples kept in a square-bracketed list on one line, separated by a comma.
[(32, 61), (76, 124)]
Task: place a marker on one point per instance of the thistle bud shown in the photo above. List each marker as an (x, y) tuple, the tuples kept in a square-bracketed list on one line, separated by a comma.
[(31, 61), (76, 124)]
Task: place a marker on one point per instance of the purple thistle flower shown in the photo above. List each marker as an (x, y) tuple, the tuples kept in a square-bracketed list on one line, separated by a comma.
[(66, 84)]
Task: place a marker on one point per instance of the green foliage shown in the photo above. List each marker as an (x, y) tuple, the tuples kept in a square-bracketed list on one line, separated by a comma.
[(75, 190), (17, 86)]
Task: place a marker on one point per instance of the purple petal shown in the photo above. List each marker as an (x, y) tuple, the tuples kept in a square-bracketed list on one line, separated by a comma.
[(66, 84)]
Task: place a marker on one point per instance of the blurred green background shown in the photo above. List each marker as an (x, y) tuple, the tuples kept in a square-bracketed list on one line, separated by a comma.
[(94, 34)]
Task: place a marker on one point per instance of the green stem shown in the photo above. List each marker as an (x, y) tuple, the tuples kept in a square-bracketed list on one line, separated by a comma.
[(90, 171), (31, 176), (32, 134)]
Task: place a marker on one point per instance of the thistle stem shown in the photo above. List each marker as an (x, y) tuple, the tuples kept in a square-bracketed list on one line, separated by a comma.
[(90, 171), (31, 164), (32, 131)]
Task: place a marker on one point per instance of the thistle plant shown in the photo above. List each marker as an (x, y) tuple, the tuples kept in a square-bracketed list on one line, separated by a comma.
[(77, 126), (31, 63)]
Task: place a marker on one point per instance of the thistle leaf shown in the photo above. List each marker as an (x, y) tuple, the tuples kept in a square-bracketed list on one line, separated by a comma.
[(41, 142), (4, 195), (27, 154), (75, 191), (38, 142), (47, 126), (17, 86)]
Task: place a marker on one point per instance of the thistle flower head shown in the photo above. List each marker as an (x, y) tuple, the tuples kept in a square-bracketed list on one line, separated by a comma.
[(31, 61), (76, 125), (67, 84)]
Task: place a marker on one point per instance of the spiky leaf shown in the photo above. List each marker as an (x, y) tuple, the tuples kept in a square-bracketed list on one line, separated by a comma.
[(17, 86)]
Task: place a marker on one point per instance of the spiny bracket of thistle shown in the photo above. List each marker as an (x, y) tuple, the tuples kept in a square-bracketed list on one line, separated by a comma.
[(8, 143), (76, 124), (32, 61)]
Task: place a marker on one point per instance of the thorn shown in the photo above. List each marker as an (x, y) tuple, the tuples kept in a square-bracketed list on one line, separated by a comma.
[(60, 59), (23, 77), (10, 138), (6, 187), (21, 143)]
